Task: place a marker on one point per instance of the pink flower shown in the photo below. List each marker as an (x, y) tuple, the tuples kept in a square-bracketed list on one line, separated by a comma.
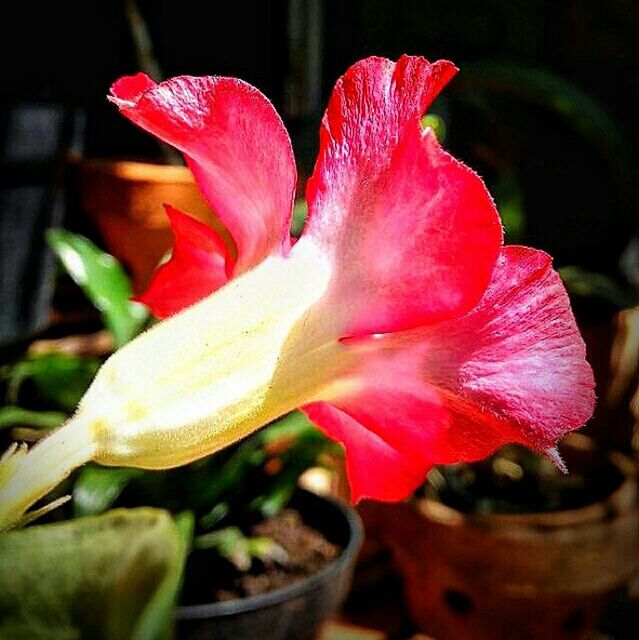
[(451, 344)]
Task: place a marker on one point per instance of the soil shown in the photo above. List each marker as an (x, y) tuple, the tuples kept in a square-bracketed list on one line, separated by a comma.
[(210, 578), (516, 480)]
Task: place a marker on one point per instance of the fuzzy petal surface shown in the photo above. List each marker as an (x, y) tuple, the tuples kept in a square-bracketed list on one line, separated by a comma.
[(519, 353), (511, 370), (235, 144), (197, 267), (413, 232)]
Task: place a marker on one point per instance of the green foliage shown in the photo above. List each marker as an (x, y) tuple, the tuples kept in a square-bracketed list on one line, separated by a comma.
[(107, 577), (294, 425), (56, 378), (117, 573), (157, 621), (437, 124), (11, 416), (587, 284), (97, 488), (541, 87), (231, 486), (241, 550), (254, 479), (239, 486), (307, 445), (300, 211), (510, 203), (103, 280)]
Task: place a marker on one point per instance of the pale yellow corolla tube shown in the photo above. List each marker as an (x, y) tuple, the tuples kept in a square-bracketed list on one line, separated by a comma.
[(254, 350)]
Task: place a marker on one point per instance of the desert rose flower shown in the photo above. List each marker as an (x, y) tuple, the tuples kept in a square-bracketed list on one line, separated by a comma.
[(398, 322)]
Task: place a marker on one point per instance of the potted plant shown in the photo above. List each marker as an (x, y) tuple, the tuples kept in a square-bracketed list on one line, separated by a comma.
[(510, 547), (297, 608)]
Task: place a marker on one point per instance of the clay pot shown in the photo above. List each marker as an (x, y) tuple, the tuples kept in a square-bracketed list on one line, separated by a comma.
[(124, 199), (531, 576)]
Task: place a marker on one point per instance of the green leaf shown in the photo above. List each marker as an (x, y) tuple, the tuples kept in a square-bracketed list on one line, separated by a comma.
[(228, 477), (97, 488), (307, 444), (294, 425), (17, 416), (300, 211), (510, 202), (437, 124), (227, 483), (60, 378), (267, 550), (185, 522), (154, 621), (106, 577), (103, 280), (581, 282), (240, 550), (230, 543), (215, 515), (279, 491)]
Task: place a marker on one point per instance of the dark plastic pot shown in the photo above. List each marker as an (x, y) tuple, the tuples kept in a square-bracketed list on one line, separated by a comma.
[(295, 612)]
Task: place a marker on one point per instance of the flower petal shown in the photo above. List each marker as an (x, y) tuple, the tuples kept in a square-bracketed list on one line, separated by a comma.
[(396, 426), (511, 370), (129, 88), (519, 353), (376, 468), (197, 267), (413, 231), (236, 146)]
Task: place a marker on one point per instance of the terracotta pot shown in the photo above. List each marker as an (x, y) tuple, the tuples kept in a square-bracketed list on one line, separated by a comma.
[(124, 199), (533, 576)]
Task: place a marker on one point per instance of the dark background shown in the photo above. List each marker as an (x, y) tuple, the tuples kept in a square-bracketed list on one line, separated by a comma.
[(570, 171)]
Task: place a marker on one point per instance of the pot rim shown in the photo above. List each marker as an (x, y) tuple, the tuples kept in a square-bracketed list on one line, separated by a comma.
[(272, 598), (131, 170), (621, 500)]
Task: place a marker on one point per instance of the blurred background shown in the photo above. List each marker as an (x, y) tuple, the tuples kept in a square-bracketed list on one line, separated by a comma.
[(544, 109)]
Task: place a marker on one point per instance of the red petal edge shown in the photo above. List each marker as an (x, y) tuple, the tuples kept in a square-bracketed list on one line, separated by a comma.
[(197, 267), (375, 468), (413, 232), (236, 146), (128, 89)]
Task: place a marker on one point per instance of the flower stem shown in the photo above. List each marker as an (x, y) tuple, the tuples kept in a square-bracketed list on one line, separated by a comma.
[(27, 476)]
